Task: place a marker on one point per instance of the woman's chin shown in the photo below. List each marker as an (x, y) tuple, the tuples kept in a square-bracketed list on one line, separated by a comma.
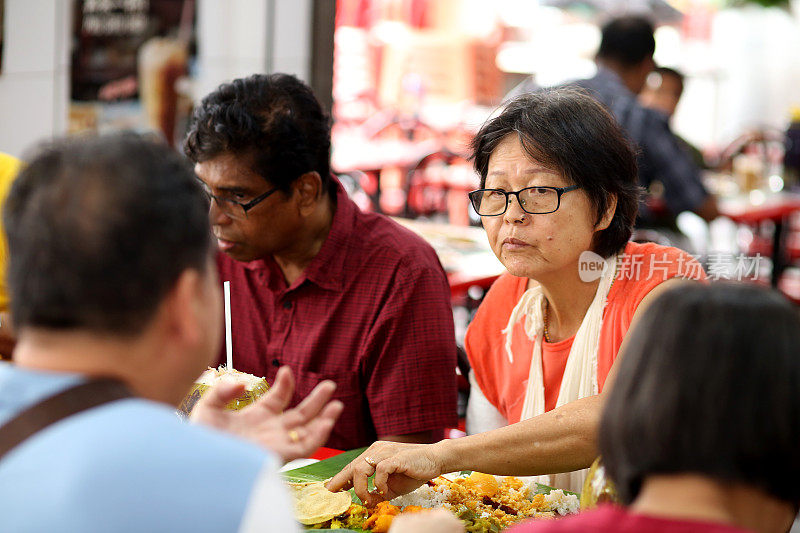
[(534, 269), (523, 268)]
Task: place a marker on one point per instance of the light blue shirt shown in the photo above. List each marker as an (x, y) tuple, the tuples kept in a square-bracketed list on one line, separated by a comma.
[(130, 465)]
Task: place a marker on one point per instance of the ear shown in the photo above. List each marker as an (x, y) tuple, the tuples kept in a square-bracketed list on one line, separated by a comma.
[(608, 216), (308, 189), (184, 326)]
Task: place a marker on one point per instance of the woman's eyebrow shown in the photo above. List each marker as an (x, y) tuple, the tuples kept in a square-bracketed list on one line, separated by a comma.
[(539, 170)]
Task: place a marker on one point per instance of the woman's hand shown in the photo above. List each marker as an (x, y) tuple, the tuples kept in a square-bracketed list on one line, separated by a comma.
[(436, 521), (292, 434), (399, 468)]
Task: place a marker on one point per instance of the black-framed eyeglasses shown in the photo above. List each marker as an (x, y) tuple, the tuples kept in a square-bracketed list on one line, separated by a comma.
[(533, 200), (231, 207)]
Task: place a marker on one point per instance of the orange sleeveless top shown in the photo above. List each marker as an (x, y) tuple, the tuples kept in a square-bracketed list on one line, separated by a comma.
[(643, 267)]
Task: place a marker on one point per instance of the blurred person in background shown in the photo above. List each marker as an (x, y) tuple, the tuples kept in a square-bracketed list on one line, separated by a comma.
[(543, 344), (624, 61), (662, 92), (701, 429), (116, 301), (317, 284)]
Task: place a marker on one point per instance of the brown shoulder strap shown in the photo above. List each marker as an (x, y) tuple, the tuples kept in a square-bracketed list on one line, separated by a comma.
[(58, 407)]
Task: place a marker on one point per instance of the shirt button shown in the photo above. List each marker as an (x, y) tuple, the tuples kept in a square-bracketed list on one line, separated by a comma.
[(275, 362), (287, 304)]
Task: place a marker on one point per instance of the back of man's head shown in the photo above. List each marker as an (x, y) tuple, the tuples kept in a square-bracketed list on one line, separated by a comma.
[(274, 119), (99, 230), (627, 40)]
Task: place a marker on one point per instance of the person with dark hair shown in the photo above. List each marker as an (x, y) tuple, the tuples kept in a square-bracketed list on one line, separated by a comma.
[(116, 302), (662, 92), (700, 432), (680, 459), (624, 60), (558, 197), (317, 284)]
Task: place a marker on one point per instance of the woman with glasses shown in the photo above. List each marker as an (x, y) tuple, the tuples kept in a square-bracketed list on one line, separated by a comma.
[(558, 197)]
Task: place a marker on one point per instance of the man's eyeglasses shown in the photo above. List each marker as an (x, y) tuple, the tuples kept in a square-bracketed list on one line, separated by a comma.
[(533, 200), (232, 208)]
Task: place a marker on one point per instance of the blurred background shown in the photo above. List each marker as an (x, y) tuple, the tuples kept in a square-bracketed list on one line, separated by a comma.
[(408, 81), (394, 73), (431, 67)]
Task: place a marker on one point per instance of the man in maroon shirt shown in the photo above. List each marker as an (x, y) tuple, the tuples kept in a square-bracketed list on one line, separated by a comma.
[(316, 284)]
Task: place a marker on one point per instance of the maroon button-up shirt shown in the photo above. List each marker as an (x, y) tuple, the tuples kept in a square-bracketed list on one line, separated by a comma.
[(371, 312)]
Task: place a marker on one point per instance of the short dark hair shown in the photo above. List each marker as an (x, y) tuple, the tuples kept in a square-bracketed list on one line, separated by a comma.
[(667, 71), (275, 119), (709, 384), (628, 40), (570, 132), (99, 229)]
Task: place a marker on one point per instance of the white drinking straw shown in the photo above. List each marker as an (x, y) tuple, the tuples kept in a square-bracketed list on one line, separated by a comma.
[(226, 288)]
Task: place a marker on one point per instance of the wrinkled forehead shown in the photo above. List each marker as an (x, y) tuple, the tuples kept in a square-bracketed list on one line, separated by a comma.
[(521, 158)]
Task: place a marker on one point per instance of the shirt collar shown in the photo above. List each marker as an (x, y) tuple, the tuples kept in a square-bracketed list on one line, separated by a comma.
[(327, 269)]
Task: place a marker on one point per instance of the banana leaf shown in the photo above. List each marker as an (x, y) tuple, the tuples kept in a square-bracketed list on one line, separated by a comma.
[(328, 468), (322, 470)]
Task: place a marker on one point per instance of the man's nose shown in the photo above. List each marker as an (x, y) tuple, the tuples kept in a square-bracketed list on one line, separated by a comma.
[(216, 215)]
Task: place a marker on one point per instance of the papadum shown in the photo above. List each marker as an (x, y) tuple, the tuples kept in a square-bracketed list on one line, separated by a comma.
[(313, 503)]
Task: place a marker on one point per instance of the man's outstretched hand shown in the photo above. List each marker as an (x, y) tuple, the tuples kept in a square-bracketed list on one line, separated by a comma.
[(291, 434)]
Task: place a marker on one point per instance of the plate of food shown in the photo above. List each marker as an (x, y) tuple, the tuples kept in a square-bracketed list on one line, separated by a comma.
[(485, 503)]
